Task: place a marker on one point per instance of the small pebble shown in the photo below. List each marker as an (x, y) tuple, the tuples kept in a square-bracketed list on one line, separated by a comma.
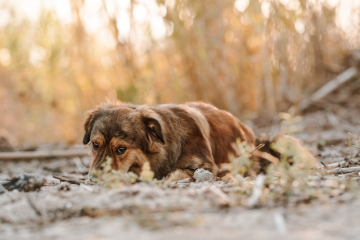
[(202, 175)]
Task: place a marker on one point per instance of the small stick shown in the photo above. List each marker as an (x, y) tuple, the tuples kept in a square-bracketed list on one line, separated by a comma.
[(33, 206), (261, 145), (257, 190), (90, 189), (68, 179), (344, 170), (280, 222), (224, 199), (332, 165)]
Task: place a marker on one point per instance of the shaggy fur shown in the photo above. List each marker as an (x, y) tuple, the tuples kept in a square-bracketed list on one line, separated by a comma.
[(170, 137)]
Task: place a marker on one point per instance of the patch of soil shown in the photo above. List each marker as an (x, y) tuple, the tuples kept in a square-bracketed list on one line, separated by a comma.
[(79, 210)]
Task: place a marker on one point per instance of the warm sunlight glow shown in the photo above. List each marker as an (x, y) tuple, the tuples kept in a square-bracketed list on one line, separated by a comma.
[(59, 58)]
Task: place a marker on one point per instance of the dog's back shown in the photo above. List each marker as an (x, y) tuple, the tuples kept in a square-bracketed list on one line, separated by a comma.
[(224, 130)]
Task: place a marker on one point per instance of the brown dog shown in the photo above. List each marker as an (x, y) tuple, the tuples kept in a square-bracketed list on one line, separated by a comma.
[(169, 137)]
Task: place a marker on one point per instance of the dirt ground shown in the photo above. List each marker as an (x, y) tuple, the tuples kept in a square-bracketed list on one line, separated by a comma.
[(63, 210)]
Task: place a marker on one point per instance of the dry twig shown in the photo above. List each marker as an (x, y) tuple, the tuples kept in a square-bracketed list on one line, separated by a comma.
[(257, 191), (344, 170), (224, 199)]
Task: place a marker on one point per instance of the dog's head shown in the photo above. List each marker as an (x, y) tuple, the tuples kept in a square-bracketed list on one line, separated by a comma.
[(126, 133)]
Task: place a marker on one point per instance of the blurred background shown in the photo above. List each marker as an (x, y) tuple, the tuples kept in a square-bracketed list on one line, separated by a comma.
[(59, 59)]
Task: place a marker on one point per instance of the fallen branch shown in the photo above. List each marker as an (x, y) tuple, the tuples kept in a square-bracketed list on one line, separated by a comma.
[(70, 179), (44, 154), (344, 170), (329, 87)]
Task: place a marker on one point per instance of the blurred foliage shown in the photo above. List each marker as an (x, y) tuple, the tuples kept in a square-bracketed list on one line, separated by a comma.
[(243, 56), (111, 178), (294, 178)]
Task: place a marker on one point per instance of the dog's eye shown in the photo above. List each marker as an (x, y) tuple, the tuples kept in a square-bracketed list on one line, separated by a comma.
[(95, 145), (120, 150)]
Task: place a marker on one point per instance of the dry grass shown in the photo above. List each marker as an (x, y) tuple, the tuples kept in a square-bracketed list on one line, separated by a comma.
[(245, 61), (294, 178)]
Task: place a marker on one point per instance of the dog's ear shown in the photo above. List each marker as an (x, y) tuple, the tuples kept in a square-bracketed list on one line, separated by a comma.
[(88, 125), (153, 129)]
